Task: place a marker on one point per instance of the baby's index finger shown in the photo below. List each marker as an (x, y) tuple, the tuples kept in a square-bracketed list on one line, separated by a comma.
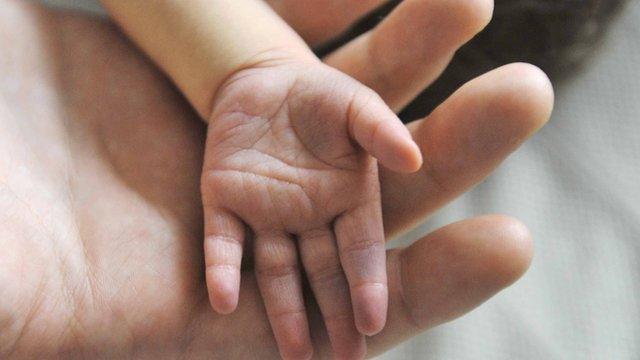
[(381, 133)]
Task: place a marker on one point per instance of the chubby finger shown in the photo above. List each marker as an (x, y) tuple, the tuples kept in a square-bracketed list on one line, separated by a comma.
[(381, 133), (465, 139), (319, 253), (450, 272), (412, 46), (318, 21), (224, 238), (278, 277), (361, 244)]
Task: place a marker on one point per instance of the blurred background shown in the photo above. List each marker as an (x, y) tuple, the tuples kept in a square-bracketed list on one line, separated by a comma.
[(576, 185)]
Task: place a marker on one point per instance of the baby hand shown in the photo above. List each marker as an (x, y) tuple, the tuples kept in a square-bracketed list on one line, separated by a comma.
[(287, 155)]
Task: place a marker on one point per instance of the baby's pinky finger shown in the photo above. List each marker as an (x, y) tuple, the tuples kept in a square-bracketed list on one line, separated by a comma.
[(361, 244), (224, 237), (278, 276)]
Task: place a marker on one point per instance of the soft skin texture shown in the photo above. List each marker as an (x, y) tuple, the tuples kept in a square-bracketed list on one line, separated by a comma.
[(101, 224), (291, 141), (283, 143)]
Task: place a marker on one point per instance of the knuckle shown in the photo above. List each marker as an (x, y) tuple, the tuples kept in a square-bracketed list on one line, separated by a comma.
[(326, 273), (361, 244), (277, 249), (363, 284), (318, 253), (224, 241), (222, 266), (275, 257), (284, 313), (276, 270), (222, 250), (338, 317)]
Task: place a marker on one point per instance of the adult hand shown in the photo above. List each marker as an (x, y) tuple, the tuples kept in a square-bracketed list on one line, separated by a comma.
[(100, 224)]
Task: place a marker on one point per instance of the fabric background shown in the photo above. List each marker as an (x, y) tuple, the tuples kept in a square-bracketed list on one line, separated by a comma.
[(577, 186)]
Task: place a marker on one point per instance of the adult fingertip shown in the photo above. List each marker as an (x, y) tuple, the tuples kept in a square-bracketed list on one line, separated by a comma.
[(462, 265), (531, 95), (472, 15), (499, 247), (511, 249)]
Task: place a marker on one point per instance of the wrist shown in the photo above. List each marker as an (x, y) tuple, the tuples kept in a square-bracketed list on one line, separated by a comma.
[(280, 62)]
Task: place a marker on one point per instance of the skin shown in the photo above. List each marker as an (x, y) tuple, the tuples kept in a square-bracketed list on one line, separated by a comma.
[(293, 174), (103, 259), (291, 141)]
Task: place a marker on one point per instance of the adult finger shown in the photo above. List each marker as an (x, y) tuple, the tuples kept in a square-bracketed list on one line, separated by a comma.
[(440, 277), (450, 272), (412, 46), (318, 21), (465, 139)]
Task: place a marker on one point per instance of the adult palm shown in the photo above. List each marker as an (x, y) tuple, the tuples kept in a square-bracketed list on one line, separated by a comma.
[(100, 218)]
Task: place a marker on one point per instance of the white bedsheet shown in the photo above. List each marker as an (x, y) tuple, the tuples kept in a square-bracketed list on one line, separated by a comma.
[(577, 185)]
